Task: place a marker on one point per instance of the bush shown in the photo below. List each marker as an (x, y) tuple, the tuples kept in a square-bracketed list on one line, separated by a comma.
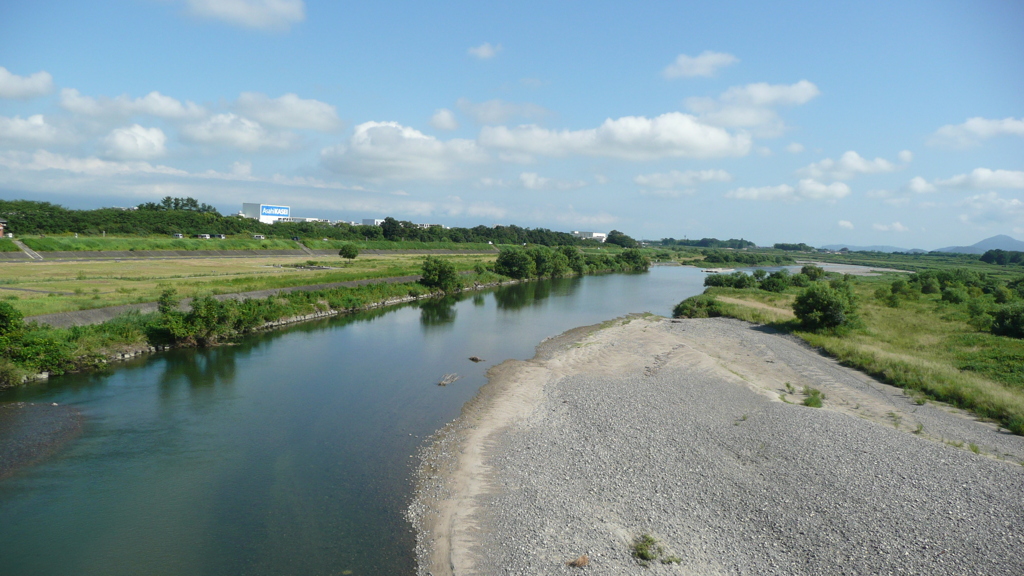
[(813, 272), (574, 256), (702, 306), (10, 373), (633, 259), (930, 286), (955, 295), (514, 263), (11, 320), (1008, 320), (777, 281), (441, 274), (823, 307), (349, 251)]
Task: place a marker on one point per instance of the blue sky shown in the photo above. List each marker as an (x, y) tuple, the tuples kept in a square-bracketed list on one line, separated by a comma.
[(813, 122)]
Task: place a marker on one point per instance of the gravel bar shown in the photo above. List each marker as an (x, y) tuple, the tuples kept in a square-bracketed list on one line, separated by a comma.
[(687, 432)]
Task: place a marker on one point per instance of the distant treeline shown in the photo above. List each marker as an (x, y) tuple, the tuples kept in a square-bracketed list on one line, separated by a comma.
[(801, 247), (189, 217), (710, 243), (1003, 257)]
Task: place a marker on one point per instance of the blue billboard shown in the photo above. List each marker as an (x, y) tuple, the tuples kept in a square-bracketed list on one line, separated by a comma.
[(280, 211)]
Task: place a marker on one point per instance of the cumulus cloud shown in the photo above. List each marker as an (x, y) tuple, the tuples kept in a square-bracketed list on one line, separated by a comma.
[(236, 132), (920, 185), (795, 148), (261, 14), (136, 142), (991, 208), (850, 164), (444, 119), (705, 64), (24, 87), (807, 189), (33, 130), (753, 106), (533, 181), (974, 130), (906, 156), (388, 150), (44, 160), (676, 178), (485, 51), (670, 135), (894, 227), (846, 224), (982, 178), (289, 111), (153, 104), (498, 111)]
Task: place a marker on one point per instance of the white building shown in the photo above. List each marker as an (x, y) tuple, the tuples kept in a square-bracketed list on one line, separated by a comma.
[(600, 236), (372, 221)]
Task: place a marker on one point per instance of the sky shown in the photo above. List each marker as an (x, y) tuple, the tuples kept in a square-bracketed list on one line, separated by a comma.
[(863, 123)]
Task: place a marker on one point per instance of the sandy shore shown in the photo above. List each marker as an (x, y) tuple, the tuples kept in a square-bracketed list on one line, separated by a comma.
[(687, 430)]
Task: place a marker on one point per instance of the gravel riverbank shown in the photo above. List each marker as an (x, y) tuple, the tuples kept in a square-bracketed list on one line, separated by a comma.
[(687, 431)]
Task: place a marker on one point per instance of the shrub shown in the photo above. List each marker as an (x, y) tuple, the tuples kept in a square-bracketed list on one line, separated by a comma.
[(760, 274), (930, 286), (777, 281), (11, 320), (514, 263), (349, 251), (823, 307), (480, 268), (812, 272), (702, 306), (574, 256), (954, 295), (10, 373), (440, 273), (633, 259), (1008, 320)]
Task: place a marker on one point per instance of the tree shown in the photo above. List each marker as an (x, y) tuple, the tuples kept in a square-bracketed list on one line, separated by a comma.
[(11, 320), (514, 263), (1009, 320), (813, 272), (821, 306), (391, 229), (349, 251), (575, 257), (441, 274), (620, 239), (634, 259)]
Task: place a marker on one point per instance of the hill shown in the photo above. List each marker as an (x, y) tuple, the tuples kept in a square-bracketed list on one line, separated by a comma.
[(886, 249), (1000, 242)]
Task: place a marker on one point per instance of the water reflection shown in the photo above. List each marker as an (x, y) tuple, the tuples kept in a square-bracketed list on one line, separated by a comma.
[(216, 366), (437, 312)]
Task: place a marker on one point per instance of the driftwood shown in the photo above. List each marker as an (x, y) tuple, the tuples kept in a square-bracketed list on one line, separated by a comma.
[(448, 379), (476, 359)]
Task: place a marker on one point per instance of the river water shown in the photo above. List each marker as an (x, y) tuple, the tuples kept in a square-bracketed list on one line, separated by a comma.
[(289, 453)]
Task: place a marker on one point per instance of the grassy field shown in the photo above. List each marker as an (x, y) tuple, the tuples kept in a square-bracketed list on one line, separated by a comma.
[(94, 244), (48, 287), (7, 246), (314, 244), (926, 346)]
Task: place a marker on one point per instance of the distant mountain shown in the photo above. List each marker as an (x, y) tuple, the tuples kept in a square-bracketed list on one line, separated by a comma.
[(886, 249), (1000, 242)]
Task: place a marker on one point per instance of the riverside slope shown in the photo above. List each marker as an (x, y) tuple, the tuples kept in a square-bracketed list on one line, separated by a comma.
[(677, 429)]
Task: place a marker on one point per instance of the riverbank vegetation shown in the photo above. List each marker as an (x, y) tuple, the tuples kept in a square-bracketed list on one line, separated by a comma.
[(953, 335)]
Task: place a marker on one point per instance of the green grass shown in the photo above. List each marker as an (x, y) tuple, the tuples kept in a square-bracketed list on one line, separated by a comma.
[(925, 346), (7, 245), (314, 244), (93, 244), (646, 549), (813, 398)]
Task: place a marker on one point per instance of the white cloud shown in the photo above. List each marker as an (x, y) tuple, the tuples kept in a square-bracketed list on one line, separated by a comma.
[(705, 64), (764, 94), (991, 208), (670, 135), (153, 104), (33, 130), (444, 119), (533, 181), (795, 148), (751, 106), (971, 132), (920, 185), (235, 131), (289, 111), (898, 202), (894, 227), (666, 193), (849, 165), (906, 156), (981, 178), (136, 142), (781, 192), (262, 14), (846, 224), (485, 51), (807, 189), (388, 150), (676, 178), (24, 87), (499, 111), (814, 190), (43, 160)]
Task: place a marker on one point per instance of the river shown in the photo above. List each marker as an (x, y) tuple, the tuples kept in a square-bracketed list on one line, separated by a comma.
[(291, 452)]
